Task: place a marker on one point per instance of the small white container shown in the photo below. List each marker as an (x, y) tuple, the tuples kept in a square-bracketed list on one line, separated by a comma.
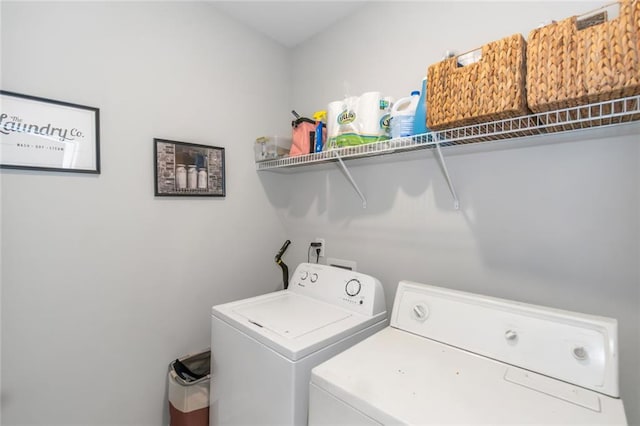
[(402, 115), (271, 147), (181, 176), (192, 177), (202, 178)]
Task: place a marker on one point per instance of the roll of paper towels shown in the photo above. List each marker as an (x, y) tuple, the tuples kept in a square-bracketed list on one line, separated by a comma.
[(334, 109), (371, 109), (348, 118), (357, 120)]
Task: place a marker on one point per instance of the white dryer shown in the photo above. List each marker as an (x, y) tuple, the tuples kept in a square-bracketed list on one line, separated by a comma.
[(451, 357), (263, 348)]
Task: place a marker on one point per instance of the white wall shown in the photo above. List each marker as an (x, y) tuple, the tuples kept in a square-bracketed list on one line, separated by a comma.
[(102, 283), (556, 224)]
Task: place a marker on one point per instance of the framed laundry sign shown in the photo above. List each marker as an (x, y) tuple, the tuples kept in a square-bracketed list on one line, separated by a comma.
[(43, 134)]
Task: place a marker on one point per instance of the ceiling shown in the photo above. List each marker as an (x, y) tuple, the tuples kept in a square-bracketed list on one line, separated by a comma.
[(288, 22)]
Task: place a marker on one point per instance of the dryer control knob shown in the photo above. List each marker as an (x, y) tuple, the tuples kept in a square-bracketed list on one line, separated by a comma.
[(304, 275), (314, 277), (510, 335), (420, 312), (580, 353)]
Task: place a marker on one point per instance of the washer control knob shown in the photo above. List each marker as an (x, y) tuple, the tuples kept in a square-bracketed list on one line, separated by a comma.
[(304, 275), (420, 312), (314, 277), (580, 353), (510, 335), (353, 287)]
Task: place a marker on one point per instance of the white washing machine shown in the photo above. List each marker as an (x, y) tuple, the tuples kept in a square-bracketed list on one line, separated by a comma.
[(263, 348), (451, 357)]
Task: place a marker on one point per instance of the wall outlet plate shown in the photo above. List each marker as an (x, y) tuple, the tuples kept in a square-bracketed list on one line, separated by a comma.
[(322, 247)]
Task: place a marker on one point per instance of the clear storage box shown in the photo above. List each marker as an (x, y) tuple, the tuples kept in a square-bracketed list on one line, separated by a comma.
[(271, 147)]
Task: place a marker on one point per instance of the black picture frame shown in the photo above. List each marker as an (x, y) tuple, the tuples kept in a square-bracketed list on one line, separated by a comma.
[(183, 169), (49, 135)]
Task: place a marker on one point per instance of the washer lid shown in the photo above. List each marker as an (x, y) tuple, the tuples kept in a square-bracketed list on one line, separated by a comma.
[(290, 316), (396, 377), (292, 324)]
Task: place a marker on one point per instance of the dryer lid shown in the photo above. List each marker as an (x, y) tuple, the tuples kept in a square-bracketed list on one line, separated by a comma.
[(397, 377)]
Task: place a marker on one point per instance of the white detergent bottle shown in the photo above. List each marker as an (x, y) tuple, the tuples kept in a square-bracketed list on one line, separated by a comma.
[(402, 115)]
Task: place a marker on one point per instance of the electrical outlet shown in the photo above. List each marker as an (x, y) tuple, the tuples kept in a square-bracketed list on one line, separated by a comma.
[(323, 246)]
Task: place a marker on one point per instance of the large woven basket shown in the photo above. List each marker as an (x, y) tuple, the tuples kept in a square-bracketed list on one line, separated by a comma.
[(492, 88), (578, 61)]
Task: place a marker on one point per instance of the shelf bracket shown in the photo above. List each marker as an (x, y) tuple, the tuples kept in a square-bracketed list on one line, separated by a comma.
[(353, 182), (443, 167)]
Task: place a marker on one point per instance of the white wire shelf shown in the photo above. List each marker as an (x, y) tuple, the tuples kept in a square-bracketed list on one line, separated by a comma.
[(598, 114)]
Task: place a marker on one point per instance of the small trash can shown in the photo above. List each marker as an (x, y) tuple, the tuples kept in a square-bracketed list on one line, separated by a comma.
[(189, 378)]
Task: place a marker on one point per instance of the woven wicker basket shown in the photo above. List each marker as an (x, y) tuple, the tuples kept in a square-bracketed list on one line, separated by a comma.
[(491, 89), (578, 61)]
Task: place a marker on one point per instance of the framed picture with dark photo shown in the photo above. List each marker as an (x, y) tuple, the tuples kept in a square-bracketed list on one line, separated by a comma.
[(188, 169)]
